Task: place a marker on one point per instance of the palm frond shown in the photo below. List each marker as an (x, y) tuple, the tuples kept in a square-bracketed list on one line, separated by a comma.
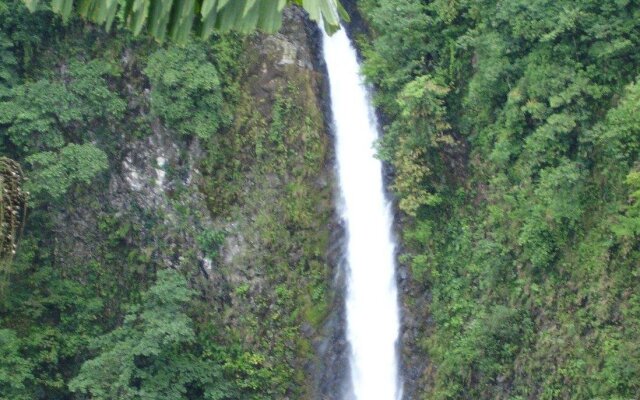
[(178, 19)]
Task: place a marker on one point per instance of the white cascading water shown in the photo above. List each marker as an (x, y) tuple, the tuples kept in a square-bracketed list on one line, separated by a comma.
[(373, 319)]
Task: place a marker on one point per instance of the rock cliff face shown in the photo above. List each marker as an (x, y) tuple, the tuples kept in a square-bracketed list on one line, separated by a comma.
[(257, 234)]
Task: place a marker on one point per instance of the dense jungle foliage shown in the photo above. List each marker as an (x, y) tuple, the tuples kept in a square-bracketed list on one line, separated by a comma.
[(513, 128), (88, 307)]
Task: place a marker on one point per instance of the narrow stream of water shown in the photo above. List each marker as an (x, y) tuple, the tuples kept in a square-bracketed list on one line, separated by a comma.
[(372, 301)]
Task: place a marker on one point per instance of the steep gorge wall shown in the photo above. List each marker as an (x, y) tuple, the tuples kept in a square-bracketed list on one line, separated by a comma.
[(247, 214), (271, 278)]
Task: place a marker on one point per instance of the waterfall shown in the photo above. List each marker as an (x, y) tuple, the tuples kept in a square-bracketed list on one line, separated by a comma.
[(371, 305)]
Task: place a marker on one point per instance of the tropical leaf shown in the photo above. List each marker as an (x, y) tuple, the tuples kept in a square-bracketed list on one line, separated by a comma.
[(248, 6), (62, 7), (270, 16), (103, 12), (160, 14), (208, 13), (31, 4), (177, 19), (182, 21)]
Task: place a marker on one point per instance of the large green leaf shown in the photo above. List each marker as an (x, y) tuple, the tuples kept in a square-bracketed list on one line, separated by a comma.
[(208, 13), (63, 7), (102, 12), (178, 18), (160, 14), (182, 21)]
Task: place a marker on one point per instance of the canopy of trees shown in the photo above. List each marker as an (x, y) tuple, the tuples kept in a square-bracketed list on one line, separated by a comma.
[(513, 131)]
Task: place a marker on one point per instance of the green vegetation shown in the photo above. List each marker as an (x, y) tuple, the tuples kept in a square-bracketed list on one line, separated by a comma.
[(184, 80), (156, 350), (142, 162), (180, 200), (513, 131), (54, 173), (178, 18)]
